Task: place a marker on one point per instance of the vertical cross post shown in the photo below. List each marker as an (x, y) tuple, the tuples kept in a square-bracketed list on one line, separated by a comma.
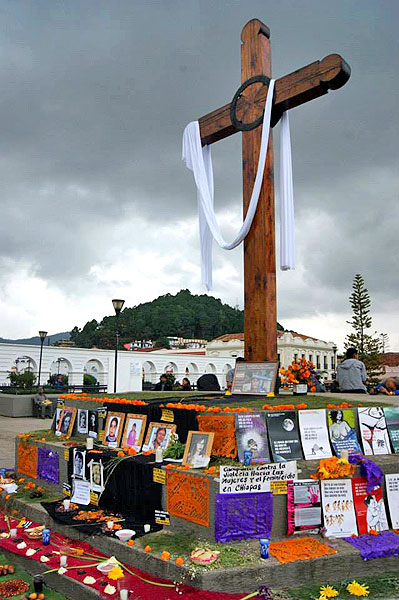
[(260, 321)]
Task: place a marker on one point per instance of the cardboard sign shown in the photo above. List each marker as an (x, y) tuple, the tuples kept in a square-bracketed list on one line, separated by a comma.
[(94, 498), (162, 517), (168, 416), (240, 480), (159, 476)]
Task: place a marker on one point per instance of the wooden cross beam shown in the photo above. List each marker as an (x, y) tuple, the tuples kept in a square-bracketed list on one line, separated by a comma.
[(303, 85)]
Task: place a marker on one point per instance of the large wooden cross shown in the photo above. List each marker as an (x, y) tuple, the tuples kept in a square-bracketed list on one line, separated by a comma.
[(312, 81)]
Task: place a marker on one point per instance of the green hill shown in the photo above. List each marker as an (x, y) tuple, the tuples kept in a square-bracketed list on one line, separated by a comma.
[(183, 315)]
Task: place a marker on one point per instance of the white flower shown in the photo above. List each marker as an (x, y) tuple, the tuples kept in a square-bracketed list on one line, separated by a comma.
[(110, 589), (30, 552), (21, 545), (44, 559), (89, 580), (61, 571)]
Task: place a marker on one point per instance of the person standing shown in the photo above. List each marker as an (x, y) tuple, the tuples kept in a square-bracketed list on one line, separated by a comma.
[(351, 373)]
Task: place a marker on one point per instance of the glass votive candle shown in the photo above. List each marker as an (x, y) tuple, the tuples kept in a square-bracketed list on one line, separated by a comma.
[(147, 528), (63, 560), (123, 594), (67, 504), (110, 524)]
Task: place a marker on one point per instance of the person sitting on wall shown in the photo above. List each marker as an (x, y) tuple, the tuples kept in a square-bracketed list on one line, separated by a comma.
[(163, 385), (43, 405), (389, 387), (230, 373), (185, 385), (351, 374)]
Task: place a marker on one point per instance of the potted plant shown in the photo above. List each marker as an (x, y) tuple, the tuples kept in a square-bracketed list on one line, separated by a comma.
[(300, 374)]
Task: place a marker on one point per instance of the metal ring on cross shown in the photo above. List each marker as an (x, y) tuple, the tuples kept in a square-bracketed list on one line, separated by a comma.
[(233, 106)]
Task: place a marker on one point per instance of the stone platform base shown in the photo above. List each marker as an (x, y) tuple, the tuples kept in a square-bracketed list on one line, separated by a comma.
[(346, 564)]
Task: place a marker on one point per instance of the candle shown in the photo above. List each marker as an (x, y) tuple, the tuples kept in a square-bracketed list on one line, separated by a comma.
[(63, 560), (110, 524), (67, 504), (147, 528), (13, 533), (158, 455), (89, 443), (123, 594)]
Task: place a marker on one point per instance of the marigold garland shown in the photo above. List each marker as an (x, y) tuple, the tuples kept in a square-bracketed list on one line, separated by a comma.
[(333, 468)]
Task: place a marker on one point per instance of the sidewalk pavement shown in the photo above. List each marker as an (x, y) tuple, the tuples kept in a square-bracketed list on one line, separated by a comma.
[(11, 427)]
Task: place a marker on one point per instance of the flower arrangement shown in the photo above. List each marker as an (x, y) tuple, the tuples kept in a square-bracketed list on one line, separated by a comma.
[(299, 371), (333, 468)]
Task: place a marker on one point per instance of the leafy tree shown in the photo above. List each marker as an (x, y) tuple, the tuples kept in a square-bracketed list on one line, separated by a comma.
[(89, 379), (367, 344), (24, 380), (162, 342)]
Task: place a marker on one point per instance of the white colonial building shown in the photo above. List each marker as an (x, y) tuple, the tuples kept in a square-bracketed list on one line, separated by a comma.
[(290, 346)]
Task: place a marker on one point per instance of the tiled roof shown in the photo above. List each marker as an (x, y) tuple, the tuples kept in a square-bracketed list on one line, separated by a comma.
[(240, 336), (391, 359)]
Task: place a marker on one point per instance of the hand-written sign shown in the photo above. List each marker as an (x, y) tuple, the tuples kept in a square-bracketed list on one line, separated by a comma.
[(239, 480), (162, 517), (224, 442), (188, 497), (168, 416), (94, 498), (159, 476), (27, 460)]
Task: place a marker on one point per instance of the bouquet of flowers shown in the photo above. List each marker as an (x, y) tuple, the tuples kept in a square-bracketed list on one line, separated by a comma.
[(299, 371)]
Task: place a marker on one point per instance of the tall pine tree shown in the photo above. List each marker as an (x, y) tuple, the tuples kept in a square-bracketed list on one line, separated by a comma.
[(368, 345)]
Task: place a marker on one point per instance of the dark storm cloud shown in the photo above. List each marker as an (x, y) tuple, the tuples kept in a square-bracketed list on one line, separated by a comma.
[(95, 96)]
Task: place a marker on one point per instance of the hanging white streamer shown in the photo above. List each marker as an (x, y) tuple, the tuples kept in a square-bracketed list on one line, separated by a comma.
[(199, 161)]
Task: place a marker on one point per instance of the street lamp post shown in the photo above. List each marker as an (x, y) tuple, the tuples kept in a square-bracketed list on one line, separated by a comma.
[(42, 338), (335, 358), (118, 305)]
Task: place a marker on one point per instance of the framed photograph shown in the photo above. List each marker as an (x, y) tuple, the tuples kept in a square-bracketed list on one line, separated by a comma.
[(96, 476), (113, 429), (198, 449), (57, 417), (79, 464), (134, 431), (254, 378), (93, 424), (158, 436), (66, 422), (83, 420)]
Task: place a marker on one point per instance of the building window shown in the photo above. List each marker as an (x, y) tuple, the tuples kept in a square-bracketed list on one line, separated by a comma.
[(295, 357), (317, 362), (278, 357), (332, 363), (311, 357), (325, 362), (303, 356)]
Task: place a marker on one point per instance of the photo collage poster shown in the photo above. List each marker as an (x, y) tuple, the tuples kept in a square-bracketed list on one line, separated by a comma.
[(314, 434), (373, 430), (342, 431), (303, 506), (392, 420), (254, 378), (369, 507), (284, 435), (338, 508), (251, 435), (392, 490)]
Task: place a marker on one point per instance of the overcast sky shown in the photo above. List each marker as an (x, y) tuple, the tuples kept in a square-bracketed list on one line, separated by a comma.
[(96, 203)]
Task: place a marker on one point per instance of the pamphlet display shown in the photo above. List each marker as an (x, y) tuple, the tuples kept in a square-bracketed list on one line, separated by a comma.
[(342, 431), (373, 430), (392, 418), (314, 434), (252, 442), (369, 507), (338, 508), (284, 435), (392, 489), (304, 506)]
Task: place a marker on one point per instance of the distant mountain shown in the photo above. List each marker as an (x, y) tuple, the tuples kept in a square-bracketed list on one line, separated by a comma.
[(50, 339)]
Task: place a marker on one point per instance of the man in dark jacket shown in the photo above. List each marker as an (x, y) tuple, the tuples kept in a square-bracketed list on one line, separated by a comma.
[(163, 385)]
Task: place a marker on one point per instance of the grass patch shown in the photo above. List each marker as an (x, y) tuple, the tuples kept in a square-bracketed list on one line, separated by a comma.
[(239, 554), (384, 586)]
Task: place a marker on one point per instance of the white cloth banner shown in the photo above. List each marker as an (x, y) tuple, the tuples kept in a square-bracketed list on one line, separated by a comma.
[(199, 161)]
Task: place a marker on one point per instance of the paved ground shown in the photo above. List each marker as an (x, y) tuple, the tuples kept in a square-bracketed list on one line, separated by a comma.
[(9, 428)]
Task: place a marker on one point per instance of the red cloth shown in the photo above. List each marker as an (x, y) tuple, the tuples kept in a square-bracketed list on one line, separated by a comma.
[(140, 588)]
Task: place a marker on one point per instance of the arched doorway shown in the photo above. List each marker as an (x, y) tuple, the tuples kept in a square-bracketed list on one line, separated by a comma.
[(95, 369), (149, 374)]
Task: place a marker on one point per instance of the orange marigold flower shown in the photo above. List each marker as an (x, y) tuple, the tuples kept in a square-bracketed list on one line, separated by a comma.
[(179, 561), (169, 466), (165, 555), (147, 548), (130, 542)]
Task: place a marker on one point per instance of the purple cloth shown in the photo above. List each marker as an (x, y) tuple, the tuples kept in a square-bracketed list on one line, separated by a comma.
[(243, 516), (368, 469), (376, 546), (48, 465)]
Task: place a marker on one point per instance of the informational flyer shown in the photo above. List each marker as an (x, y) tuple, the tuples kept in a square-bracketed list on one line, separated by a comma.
[(392, 418), (242, 480), (373, 430), (338, 508), (252, 441), (284, 435), (304, 506), (392, 489), (369, 507), (314, 434), (81, 492), (342, 431)]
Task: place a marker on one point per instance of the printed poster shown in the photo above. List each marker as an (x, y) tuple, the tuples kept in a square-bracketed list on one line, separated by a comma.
[(314, 434), (251, 435), (338, 508), (392, 419), (373, 430), (369, 507), (392, 489), (304, 506), (342, 431), (284, 435)]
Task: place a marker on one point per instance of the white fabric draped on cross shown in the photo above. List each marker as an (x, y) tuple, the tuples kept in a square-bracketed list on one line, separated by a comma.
[(198, 159)]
